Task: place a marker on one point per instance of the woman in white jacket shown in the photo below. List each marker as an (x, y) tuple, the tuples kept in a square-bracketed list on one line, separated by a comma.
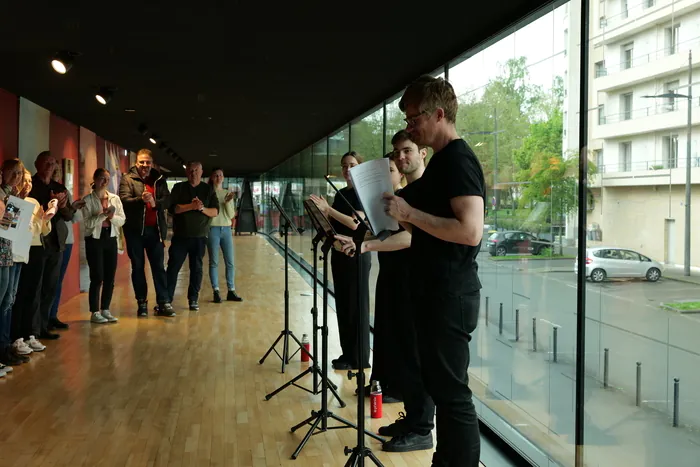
[(103, 215)]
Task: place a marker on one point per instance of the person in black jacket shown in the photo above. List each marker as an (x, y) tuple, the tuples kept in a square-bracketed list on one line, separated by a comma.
[(145, 197), (344, 271)]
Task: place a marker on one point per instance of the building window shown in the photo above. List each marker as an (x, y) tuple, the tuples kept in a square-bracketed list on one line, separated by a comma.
[(626, 52), (598, 159), (626, 156), (566, 42), (626, 106), (670, 151), (649, 3), (671, 103), (600, 69), (601, 114), (672, 39), (625, 10), (603, 22)]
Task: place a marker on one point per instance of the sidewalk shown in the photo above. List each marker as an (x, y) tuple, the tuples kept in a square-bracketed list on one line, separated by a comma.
[(675, 273)]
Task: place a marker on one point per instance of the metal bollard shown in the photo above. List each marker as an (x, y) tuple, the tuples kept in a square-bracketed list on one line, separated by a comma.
[(606, 362), (676, 400), (486, 317), (517, 325), (554, 347), (500, 319), (534, 334), (639, 384)]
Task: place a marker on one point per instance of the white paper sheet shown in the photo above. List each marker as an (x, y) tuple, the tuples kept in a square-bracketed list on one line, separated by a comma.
[(14, 224), (371, 180)]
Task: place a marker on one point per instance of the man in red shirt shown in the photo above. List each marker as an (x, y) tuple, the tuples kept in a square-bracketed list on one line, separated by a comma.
[(145, 197)]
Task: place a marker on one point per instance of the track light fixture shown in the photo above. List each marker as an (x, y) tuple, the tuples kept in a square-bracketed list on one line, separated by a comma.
[(153, 139), (104, 95), (163, 146), (62, 61)]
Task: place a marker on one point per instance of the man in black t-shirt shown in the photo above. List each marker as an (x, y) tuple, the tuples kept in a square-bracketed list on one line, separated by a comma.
[(192, 204), (444, 211)]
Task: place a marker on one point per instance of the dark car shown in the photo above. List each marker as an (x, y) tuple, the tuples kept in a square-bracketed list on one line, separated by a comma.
[(519, 243)]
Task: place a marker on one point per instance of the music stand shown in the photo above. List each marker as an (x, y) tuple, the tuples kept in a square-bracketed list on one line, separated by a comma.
[(286, 333), (323, 230), (321, 417), (359, 452)]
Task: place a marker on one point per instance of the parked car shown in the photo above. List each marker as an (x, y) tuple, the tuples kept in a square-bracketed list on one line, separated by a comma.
[(514, 241), (604, 262)]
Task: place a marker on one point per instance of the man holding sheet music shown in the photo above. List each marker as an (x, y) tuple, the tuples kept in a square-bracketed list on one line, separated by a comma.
[(444, 211)]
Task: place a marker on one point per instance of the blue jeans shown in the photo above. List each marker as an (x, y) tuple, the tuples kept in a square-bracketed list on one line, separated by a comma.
[(9, 277), (221, 237), (64, 266)]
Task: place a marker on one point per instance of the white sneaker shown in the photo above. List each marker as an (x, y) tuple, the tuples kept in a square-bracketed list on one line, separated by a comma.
[(21, 347), (35, 345), (6, 369), (97, 318), (108, 316), (2, 373)]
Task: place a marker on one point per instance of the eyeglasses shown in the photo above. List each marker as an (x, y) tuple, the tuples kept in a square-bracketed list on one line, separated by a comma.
[(411, 121)]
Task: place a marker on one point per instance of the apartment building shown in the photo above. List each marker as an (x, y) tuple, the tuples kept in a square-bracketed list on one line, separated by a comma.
[(639, 51)]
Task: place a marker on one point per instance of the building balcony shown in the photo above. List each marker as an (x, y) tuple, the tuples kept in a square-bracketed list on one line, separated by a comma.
[(660, 116), (637, 18), (654, 65), (644, 173)]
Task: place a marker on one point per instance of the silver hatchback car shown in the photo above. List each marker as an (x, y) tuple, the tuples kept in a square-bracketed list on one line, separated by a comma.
[(604, 262)]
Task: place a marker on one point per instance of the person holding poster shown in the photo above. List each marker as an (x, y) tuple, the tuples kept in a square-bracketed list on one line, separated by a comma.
[(23, 318), (103, 215)]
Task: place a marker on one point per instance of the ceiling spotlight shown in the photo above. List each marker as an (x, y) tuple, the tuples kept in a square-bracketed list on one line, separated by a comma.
[(104, 95), (163, 146), (153, 139), (129, 110), (62, 62), (142, 129), (184, 166)]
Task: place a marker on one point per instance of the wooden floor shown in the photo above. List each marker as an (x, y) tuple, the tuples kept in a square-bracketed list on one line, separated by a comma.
[(179, 392)]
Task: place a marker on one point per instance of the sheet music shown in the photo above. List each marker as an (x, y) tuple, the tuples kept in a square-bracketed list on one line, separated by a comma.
[(371, 180)]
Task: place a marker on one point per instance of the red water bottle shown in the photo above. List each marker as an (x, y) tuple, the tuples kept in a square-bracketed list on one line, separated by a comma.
[(305, 348), (375, 400)]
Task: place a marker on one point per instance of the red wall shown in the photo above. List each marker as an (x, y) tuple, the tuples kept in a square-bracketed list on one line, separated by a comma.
[(9, 125), (64, 143), (100, 153)]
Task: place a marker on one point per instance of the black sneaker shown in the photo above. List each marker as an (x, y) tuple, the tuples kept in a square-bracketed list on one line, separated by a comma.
[(409, 442), (23, 358), (233, 296), (194, 305), (398, 428), (166, 309), (342, 365), (8, 358), (142, 311), (48, 336), (217, 296), (57, 324)]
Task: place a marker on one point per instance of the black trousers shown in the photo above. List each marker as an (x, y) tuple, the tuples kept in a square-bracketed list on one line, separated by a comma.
[(396, 357), (181, 248), (102, 260), (151, 243), (35, 293), (348, 309), (443, 328)]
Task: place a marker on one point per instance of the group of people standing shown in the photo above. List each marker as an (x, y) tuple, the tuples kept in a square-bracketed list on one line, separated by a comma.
[(428, 290), (30, 287)]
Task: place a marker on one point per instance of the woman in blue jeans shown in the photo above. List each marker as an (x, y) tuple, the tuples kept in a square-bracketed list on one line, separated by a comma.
[(221, 236)]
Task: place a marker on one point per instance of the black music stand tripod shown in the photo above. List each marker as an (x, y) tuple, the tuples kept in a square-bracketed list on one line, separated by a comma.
[(286, 333), (359, 452), (313, 368), (322, 416)]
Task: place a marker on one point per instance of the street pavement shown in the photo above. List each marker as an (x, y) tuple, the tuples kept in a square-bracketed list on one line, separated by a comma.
[(622, 315)]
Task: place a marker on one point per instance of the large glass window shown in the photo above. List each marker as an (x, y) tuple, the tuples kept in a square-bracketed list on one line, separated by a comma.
[(519, 112), (368, 136)]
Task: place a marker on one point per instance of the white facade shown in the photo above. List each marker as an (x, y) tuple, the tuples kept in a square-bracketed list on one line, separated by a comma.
[(641, 48)]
